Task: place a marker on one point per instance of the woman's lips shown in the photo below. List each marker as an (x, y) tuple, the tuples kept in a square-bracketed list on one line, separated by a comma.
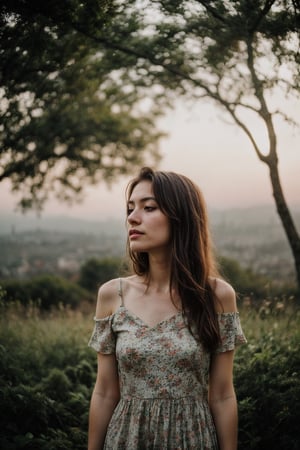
[(134, 234)]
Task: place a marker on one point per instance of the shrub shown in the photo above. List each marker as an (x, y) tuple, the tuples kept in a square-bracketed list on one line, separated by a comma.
[(46, 291), (97, 271), (267, 381), (43, 403), (268, 389), (244, 281)]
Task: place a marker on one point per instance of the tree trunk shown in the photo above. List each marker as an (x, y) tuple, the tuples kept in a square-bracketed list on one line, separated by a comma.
[(285, 216)]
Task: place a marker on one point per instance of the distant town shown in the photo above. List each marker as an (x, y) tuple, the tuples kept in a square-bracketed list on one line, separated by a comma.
[(61, 245)]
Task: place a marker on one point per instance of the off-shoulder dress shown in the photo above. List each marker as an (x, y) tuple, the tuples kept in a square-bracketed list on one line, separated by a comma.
[(163, 375)]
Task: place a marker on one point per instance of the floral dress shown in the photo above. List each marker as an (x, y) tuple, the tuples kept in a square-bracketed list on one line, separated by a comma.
[(163, 375)]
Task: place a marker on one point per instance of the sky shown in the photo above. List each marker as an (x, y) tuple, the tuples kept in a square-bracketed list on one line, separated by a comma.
[(204, 146)]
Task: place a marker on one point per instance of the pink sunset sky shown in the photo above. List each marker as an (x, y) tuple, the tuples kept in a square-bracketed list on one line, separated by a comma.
[(216, 155)]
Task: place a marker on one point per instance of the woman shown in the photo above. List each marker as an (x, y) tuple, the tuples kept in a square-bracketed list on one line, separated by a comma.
[(165, 336)]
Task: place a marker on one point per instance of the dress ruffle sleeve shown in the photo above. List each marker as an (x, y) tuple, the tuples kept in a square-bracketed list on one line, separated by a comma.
[(103, 338), (231, 332)]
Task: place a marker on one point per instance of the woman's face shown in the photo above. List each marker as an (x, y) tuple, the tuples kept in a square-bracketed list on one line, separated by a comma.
[(148, 228)]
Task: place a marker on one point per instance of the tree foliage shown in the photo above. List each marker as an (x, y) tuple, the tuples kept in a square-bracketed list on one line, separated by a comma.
[(240, 54), (70, 114)]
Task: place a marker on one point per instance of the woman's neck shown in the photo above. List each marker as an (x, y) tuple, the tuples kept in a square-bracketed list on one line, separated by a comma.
[(159, 272)]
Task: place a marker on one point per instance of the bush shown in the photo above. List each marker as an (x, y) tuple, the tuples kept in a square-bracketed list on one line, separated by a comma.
[(268, 389), (244, 281), (46, 291), (250, 284), (46, 377), (267, 379), (97, 271)]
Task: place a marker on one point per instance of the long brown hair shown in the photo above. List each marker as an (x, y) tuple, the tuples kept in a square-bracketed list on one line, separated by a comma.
[(192, 258)]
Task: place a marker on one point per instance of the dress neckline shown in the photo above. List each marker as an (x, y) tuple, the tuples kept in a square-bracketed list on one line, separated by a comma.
[(145, 324)]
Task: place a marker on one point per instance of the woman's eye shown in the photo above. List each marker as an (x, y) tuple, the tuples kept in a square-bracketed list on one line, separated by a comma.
[(129, 211), (150, 208)]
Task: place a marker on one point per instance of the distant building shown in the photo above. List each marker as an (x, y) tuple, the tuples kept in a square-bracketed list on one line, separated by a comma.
[(68, 264)]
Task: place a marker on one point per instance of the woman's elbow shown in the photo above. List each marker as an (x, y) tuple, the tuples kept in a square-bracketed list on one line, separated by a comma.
[(221, 395)]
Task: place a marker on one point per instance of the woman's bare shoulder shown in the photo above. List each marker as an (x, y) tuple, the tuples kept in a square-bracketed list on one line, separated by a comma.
[(108, 298), (225, 294)]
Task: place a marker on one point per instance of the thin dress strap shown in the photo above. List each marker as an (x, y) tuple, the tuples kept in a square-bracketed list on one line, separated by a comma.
[(120, 293)]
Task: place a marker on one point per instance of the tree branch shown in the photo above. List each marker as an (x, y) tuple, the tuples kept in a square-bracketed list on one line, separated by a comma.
[(231, 111), (212, 11), (287, 118), (263, 13), (133, 52), (263, 112), (246, 106)]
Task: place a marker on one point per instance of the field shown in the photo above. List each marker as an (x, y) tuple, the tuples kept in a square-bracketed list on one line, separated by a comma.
[(47, 374)]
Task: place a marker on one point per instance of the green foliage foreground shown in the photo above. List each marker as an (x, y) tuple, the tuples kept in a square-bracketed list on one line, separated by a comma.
[(47, 374), (267, 377)]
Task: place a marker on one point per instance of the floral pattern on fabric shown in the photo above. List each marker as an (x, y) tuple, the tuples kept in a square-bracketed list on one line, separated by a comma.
[(103, 339), (163, 374), (231, 332)]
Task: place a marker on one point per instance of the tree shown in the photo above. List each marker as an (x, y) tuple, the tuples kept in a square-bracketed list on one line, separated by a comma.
[(236, 53), (68, 113)]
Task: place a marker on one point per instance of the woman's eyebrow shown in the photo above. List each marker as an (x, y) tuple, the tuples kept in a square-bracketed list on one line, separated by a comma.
[(142, 200)]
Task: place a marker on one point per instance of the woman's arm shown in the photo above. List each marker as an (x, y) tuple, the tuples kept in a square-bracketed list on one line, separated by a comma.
[(222, 400), (106, 392), (104, 400)]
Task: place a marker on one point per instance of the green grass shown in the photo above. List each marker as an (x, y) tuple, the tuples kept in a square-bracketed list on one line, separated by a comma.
[(275, 317)]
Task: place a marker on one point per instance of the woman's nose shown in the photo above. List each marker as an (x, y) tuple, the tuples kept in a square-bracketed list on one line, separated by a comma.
[(133, 217)]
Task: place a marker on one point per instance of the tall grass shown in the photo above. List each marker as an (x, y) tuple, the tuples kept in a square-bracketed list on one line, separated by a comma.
[(278, 318)]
